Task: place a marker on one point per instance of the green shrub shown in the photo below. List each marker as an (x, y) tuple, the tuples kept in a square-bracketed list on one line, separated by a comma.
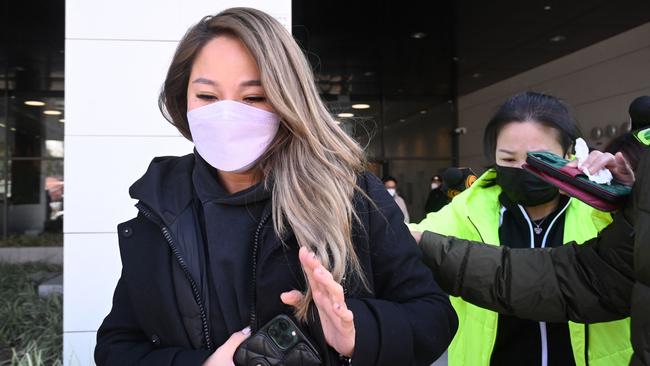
[(31, 331)]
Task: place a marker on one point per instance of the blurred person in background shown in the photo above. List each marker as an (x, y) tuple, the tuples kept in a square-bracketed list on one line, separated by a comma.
[(391, 186), (456, 180), (436, 199)]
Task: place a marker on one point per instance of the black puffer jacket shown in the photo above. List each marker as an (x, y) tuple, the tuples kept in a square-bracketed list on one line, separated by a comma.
[(606, 278), (160, 303)]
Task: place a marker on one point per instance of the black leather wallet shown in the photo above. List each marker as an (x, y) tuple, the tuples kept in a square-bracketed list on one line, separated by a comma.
[(278, 342)]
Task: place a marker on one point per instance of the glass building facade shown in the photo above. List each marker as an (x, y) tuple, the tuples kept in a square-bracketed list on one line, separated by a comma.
[(32, 118)]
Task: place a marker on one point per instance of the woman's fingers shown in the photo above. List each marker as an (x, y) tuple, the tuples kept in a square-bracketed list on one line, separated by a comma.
[(291, 298), (597, 160), (308, 259), (309, 262), (327, 284), (623, 171), (328, 294), (224, 355)]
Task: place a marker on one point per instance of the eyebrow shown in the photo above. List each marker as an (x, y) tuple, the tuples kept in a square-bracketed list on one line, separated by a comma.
[(251, 83), (506, 151), (204, 81), (214, 83)]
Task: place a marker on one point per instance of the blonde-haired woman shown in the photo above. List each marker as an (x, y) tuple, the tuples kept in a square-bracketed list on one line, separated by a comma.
[(271, 213)]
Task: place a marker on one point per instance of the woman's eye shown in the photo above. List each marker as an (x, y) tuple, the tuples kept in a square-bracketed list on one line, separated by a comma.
[(254, 99), (206, 97)]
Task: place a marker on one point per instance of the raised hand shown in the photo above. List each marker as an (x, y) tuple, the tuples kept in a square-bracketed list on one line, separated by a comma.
[(336, 319), (616, 164)]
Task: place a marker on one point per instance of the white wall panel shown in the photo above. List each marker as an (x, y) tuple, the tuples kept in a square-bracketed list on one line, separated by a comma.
[(92, 268), (78, 348), (124, 19), (99, 171), (165, 20), (109, 95)]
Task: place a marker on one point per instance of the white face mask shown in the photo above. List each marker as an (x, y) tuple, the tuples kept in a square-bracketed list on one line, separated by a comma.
[(434, 185), (231, 136), (391, 191)]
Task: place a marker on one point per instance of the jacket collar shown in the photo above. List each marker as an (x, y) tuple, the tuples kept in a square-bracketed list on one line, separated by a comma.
[(166, 187)]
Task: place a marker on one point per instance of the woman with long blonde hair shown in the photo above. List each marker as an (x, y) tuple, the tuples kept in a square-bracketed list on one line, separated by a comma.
[(272, 214)]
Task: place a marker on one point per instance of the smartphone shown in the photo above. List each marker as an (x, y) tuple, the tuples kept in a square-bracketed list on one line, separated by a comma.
[(278, 342)]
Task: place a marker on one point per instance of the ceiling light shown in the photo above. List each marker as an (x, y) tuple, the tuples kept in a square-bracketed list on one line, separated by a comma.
[(368, 73), (360, 106), (337, 122), (424, 111), (52, 112), (402, 120), (13, 129), (345, 115), (558, 38), (547, 7), (34, 103), (62, 120), (476, 75), (418, 35), (2, 125)]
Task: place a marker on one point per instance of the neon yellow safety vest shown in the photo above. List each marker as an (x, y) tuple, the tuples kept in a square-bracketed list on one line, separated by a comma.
[(474, 215)]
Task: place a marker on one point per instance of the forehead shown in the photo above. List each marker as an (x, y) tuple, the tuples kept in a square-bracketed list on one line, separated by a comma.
[(224, 56), (528, 136)]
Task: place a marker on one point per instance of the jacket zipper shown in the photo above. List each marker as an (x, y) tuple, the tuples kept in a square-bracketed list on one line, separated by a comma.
[(476, 228), (542, 325), (183, 265), (256, 242)]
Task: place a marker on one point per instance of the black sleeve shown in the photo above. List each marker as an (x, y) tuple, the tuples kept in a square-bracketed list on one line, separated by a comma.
[(411, 321), (585, 283), (121, 342)]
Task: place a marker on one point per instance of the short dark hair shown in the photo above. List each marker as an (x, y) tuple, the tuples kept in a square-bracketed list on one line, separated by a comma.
[(535, 107), (632, 150), (389, 178), (640, 112)]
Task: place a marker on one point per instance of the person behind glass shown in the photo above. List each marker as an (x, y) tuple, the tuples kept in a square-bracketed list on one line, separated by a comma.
[(436, 199), (509, 206), (391, 186), (273, 211)]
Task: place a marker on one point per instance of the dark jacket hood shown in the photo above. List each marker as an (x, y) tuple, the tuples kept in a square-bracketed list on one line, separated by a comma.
[(166, 187)]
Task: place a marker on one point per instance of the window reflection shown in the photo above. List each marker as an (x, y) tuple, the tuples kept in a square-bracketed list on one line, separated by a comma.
[(32, 117)]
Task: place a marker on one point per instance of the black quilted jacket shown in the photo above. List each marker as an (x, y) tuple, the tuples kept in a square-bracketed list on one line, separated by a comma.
[(159, 306)]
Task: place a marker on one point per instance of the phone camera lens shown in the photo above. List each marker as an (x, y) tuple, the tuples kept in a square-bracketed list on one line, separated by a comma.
[(283, 325), (285, 340)]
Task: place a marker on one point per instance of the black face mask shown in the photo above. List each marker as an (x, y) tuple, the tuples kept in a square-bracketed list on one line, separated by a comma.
[(523, 187)]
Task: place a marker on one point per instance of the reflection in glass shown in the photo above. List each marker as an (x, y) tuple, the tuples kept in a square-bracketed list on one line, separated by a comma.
[(34, 203)]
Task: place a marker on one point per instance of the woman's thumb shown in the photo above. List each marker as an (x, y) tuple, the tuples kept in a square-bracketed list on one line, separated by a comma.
[(291, 298)]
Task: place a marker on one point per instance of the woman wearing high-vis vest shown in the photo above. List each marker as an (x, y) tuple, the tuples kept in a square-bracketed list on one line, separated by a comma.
[(508, 205)]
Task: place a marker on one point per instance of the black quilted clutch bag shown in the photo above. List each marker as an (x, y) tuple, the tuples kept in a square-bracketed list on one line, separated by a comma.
[(279, 342)]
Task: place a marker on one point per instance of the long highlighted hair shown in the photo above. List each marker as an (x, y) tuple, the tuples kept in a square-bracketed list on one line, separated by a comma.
[(312, 163)]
